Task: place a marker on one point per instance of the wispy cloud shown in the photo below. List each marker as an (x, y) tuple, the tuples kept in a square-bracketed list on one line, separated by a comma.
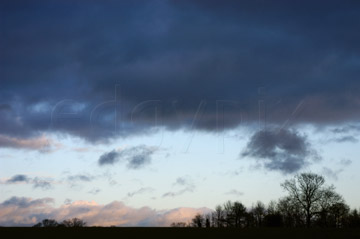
[(235, 192), (141, 191), (186, 185)]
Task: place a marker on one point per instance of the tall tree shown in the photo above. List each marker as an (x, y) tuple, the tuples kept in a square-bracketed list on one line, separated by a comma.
[(259, 213), (310, 192), (239, 212)]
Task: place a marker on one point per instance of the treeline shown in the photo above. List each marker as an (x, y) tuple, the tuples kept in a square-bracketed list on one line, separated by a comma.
[(74, 222), (309, 203)]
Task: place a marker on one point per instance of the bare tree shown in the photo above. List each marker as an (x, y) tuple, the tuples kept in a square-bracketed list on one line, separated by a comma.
[(178, 224), (198, 221), (239, 212), (309, 191), (259, 213), (218, 216), (74, 222), (49, 223)]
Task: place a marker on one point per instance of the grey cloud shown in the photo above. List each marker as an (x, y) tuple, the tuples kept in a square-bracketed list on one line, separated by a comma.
[(109, 158), (333, 174), (80, 177), (235, 192), (41, 183), (346, 129), (136, 157), (181, 181), (345, 162), (185, 183), (18, 178), (140, 191), (281, 150), (177, 193), (37, 182), (343, 139), (95, 191)]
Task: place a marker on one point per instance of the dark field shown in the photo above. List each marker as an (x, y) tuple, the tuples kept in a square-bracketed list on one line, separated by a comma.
[(134, 232)]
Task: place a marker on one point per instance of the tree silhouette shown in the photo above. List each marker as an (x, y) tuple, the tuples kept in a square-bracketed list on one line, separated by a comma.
[(310, 202), (47, 223), (74, 222), (218, 216), (198, 221), (259, 213), (309, 192)]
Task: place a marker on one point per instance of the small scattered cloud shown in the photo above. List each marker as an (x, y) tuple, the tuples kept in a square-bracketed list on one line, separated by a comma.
[(346, 129), (235, 192), (80, 177), (37, 182), (186, 185), (281, 150), (345, 162), (136, 157), (108, 158), (332, 174), (341, 139), (41, 183), (177, 193), (18, 178), (94, 191), (140, 191), (347, 138), (183, 181)]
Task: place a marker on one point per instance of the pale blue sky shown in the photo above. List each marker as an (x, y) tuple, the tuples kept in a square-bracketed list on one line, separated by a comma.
[(212, 169)]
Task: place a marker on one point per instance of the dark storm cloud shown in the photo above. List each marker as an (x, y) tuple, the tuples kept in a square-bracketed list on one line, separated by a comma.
[(136, 157), (281, 150), (180, 64)]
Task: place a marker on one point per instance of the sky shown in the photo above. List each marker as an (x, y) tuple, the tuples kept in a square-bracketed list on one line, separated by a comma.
[(142, 113)]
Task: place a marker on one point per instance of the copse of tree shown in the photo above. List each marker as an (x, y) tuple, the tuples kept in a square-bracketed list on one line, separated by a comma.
[(74, 222), (309, 203), (47, 223)]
